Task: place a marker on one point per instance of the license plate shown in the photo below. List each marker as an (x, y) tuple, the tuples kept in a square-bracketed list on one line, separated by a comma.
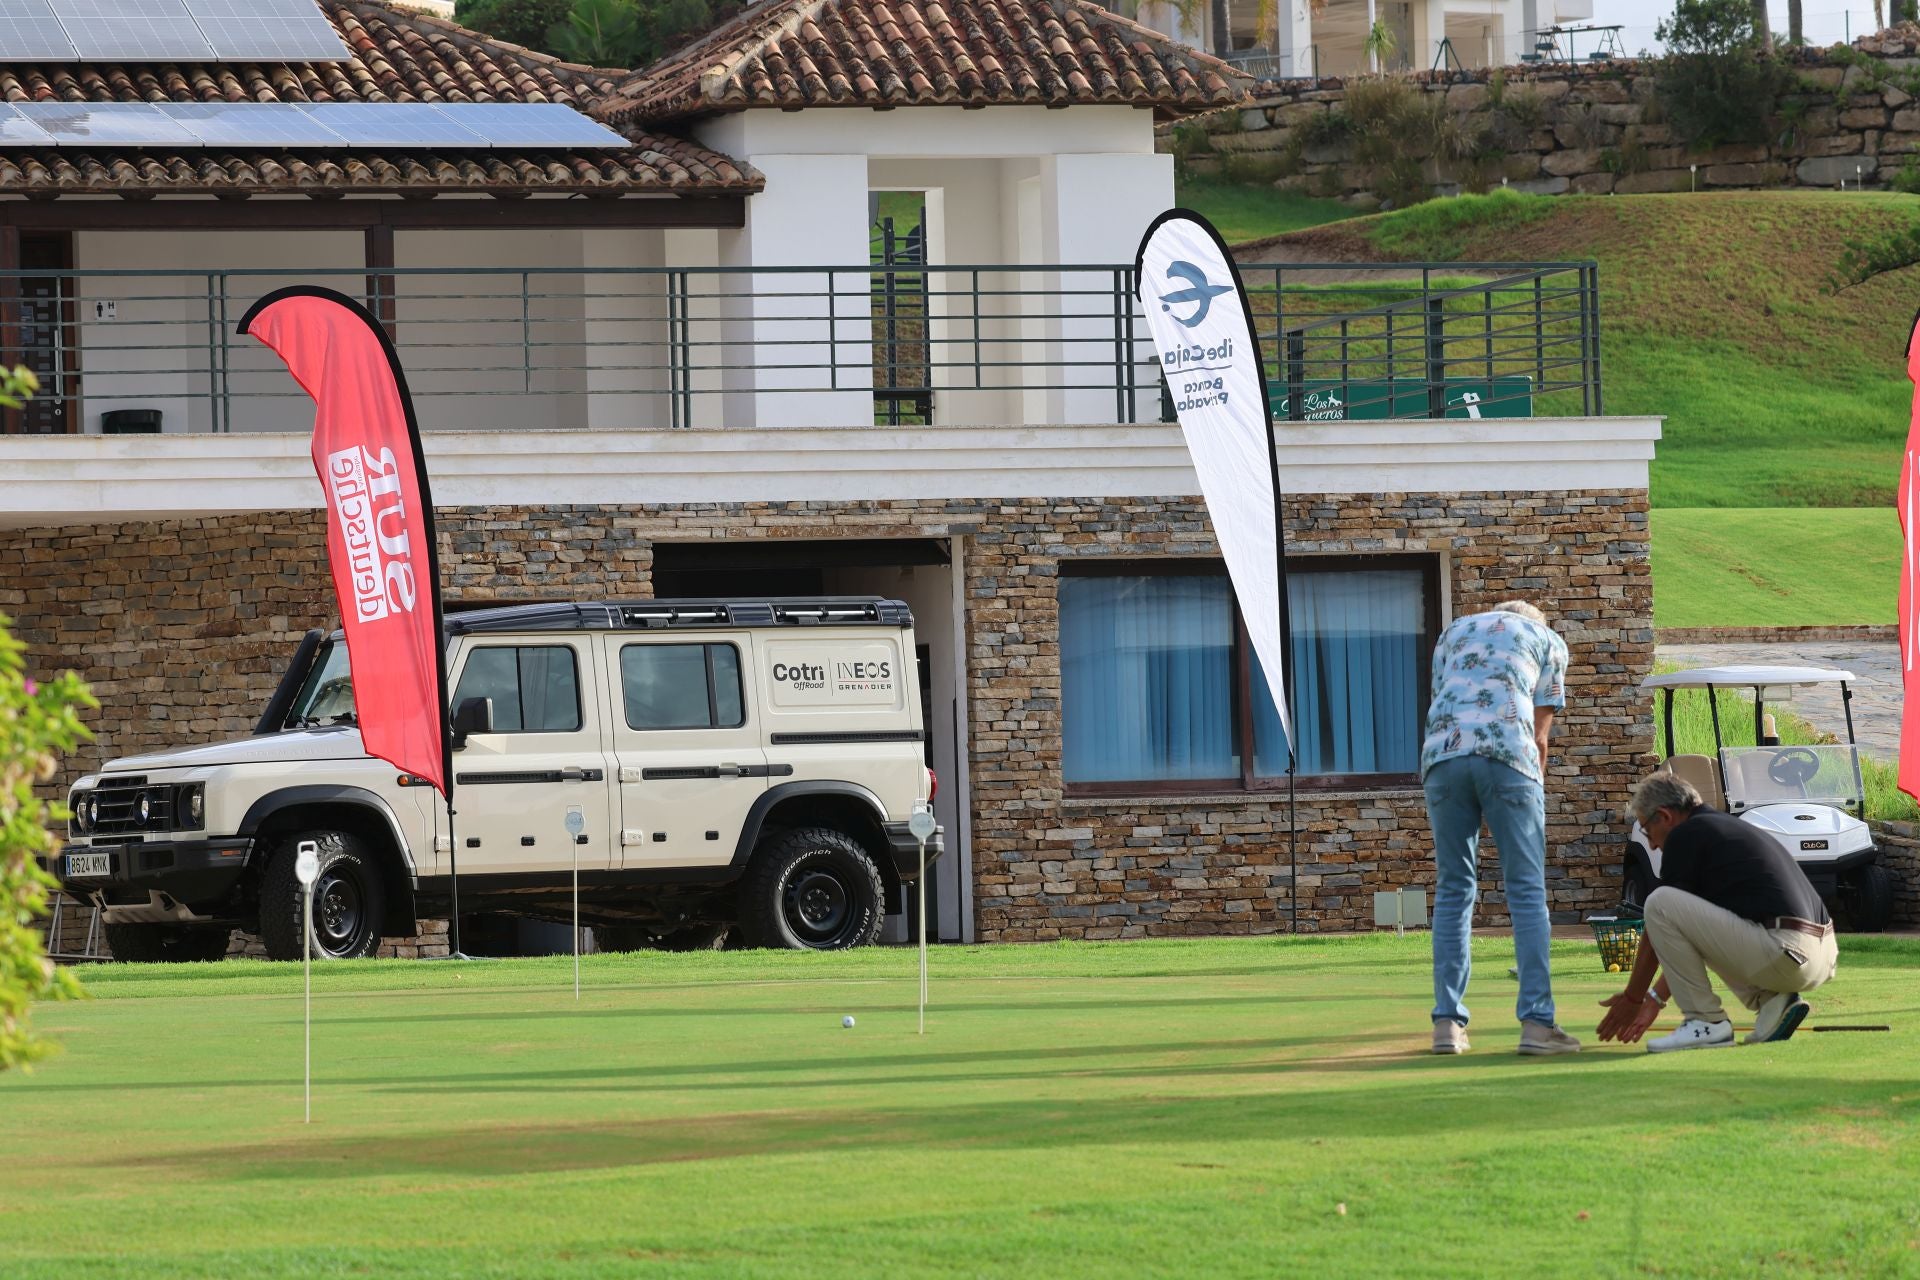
[(1806, 845), (82, 866)]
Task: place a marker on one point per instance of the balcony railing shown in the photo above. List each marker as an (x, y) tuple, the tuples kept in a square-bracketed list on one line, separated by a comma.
[(686, 347)]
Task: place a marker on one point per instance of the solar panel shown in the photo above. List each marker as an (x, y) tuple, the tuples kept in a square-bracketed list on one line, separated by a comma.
[(106, 124), (392, 124), (530, 124), (267, 31), (251, 124), (17, 130), (29, 32), (133, 31)]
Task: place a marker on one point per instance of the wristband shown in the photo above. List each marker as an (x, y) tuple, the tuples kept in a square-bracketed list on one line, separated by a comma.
[(1655, 997)]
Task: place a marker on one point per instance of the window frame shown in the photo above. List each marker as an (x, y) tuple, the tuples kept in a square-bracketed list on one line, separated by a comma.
[(1250, 781), (713, 699), (579, 702)]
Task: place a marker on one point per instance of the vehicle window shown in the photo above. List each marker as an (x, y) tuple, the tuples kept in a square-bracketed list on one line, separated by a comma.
[(328, 693), (535, 688), (682, 686)]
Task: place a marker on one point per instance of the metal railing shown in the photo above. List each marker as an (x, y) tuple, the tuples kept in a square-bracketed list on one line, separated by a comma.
[(557, 347)]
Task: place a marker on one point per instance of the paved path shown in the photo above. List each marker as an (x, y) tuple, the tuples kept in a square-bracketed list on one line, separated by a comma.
[(1876, 695)]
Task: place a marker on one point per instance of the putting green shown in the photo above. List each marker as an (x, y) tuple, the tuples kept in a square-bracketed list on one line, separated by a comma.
[(1173, 1108)]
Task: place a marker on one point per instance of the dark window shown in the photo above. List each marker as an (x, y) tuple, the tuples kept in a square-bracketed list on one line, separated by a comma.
[(682, 686), (1160, 689), (535, 688)]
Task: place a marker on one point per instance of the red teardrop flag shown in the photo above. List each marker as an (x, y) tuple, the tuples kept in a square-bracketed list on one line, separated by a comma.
[(1909, 504), (380, 534)]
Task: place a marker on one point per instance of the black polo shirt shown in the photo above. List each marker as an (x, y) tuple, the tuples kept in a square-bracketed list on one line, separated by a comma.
[(1716, 856)]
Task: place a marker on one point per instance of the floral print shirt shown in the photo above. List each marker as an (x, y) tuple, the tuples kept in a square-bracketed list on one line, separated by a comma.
[(1490, 671)]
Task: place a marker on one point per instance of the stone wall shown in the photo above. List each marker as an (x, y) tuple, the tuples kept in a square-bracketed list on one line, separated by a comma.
[(1587, 130), (1900, 853), (182, 628)]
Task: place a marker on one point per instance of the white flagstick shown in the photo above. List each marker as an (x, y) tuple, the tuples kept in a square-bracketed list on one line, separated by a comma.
[(306, 869), (576, 823), (921, 825)]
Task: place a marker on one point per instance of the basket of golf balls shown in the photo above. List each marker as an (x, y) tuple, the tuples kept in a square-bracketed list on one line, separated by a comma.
[(1619, 940)]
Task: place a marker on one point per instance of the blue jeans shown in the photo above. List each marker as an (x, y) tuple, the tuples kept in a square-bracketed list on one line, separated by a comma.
[(1460, 793)]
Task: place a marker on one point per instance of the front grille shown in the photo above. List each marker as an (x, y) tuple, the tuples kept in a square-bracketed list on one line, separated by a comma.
[(120, 806)]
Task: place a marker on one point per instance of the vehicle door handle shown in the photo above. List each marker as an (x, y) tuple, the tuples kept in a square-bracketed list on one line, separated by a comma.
[(581, 775), (729, 771)]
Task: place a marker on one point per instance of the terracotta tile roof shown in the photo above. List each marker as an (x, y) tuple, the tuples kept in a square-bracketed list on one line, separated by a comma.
[(399, 55), (897, 53)]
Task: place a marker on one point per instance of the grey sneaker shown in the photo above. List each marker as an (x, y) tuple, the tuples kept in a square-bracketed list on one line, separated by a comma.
[(1779, 1016), (1449, 1036), (1537, 1039)]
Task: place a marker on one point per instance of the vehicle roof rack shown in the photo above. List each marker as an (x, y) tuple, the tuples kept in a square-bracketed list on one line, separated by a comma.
[(648, 615)]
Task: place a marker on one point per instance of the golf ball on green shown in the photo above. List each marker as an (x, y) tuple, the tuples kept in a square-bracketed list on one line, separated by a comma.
[(847, 1021)]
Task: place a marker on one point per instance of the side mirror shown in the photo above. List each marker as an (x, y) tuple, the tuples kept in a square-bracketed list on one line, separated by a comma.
[(475, 715)]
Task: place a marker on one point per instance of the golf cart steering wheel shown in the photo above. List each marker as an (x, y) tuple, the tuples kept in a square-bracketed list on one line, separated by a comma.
[(1793, 766)]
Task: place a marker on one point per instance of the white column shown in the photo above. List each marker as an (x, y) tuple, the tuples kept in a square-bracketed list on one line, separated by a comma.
[(1293, 38), (813, 213), (1429, 29), (1094, 209)]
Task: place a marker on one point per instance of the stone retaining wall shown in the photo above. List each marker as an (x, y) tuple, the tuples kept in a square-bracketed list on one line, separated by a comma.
[(1773, 635), (182, 628), (1589, 130), (1900, 852)]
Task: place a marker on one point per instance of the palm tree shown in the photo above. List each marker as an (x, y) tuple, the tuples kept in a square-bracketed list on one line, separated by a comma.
[(1796, 36), (1378, 46), (1762, 28), (1222, 29)]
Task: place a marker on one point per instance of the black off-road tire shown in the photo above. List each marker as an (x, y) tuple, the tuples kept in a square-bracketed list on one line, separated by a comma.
[(349, 899), (1870, 900), (813, 889), (167, 943)]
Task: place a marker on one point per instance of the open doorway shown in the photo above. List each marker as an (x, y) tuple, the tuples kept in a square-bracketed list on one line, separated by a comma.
[(902, 374), (923, 572)]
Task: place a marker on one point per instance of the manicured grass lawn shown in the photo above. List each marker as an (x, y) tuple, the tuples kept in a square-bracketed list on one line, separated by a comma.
[(1747, 567), (1165, 1108), (1714, 312), (1253, 212)]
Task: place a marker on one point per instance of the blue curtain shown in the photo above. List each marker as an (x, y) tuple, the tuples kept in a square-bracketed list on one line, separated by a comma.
[(1356, 658), (1147, 678)]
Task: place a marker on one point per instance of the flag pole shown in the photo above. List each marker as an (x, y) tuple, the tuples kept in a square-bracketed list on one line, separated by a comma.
[(453, 868)]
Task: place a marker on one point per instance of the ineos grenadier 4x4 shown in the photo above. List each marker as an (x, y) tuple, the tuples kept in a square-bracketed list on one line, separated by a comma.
[(745, 765)]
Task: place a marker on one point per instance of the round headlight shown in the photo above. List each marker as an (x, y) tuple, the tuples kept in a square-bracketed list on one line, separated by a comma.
[(197, 806), (80, 818), (143, 809), (93, 811)]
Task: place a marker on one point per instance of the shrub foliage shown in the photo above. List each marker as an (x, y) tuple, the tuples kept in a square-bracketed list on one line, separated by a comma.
[(1716, 84), (36, 722)]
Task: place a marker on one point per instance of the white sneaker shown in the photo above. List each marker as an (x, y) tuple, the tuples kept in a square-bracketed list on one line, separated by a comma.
[(1449, 1036), (1694, 1034)]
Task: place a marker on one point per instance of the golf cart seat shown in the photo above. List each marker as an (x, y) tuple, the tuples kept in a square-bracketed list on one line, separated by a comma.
[(1700, 772)]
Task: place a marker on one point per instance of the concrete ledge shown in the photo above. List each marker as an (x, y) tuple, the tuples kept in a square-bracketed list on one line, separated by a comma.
[(68, 480)]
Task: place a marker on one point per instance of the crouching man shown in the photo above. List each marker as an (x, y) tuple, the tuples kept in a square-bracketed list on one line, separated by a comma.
[(1729, 900)]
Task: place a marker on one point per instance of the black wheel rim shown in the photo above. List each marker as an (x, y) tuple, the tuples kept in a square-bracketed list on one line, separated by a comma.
[(339, 911), (818, 906)]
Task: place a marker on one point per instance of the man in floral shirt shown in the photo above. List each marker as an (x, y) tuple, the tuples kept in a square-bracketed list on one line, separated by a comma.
[(1498, 677)]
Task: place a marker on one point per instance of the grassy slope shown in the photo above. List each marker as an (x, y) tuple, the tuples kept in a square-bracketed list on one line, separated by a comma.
[(1774, 568), (1254, 212), (1159, 1109), (1713, 314)]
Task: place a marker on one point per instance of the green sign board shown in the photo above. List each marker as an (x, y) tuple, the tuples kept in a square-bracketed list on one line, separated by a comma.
[(1333, 401)]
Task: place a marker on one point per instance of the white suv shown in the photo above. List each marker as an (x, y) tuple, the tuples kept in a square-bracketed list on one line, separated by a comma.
[(736, 765)]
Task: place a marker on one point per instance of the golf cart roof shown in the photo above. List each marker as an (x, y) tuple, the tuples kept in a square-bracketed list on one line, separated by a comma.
[(1752, 677)]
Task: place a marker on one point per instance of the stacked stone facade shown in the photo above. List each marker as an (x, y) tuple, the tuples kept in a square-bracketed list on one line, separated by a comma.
[(182, 628)]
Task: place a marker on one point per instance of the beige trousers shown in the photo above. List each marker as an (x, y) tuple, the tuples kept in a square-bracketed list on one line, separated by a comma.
[(1692, 935)]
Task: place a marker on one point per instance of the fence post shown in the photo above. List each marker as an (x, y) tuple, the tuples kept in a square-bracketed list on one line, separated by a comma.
[(1436, 356), (1591, 296), (1296, 375)]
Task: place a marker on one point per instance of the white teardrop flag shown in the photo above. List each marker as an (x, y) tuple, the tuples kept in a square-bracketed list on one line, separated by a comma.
[(1196, 308)]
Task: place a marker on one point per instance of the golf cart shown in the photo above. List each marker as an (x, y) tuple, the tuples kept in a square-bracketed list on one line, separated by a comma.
[(1810, 799)]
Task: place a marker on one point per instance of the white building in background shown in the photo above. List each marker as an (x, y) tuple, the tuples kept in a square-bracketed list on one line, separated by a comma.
[(1286, 39)]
